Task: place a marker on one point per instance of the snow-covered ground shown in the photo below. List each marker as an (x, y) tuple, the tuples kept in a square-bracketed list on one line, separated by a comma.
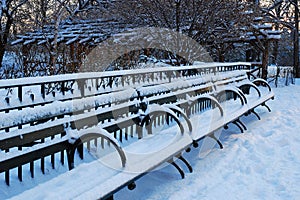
[(262, 163)]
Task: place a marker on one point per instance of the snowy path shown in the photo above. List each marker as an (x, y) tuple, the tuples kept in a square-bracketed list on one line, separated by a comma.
[(262, 163)]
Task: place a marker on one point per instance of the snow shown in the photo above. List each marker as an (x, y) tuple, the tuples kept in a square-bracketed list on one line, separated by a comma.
[(276, 37), (57, 107), (75, 134), (198, 82), (94, 75), (262, 163)]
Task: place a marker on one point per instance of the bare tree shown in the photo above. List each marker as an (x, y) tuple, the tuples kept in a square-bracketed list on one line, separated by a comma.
[(286, 14), (65, 9), (205, 21), (8, 12)]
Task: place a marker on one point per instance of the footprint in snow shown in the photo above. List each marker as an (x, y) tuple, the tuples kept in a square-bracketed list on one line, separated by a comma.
[(248, 145), (268, 133), (283, 143)]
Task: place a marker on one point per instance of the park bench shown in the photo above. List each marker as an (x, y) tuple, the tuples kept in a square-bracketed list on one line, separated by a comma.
[(234, 85), (50, 116)]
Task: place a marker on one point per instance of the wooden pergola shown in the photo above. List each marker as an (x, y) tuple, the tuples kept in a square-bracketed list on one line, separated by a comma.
[(76, 37), (89, 32), (79, 37), (260, 35)]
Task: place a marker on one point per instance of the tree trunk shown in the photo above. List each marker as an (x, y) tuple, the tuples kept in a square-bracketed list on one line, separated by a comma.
[(177, 3), (265, 58), (221, 56), (4, 39), (275, 52), (221, 52), (2, 51)]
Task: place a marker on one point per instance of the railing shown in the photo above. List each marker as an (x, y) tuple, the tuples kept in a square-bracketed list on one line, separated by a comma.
[(281, 75), (277, 75), (24, 92)]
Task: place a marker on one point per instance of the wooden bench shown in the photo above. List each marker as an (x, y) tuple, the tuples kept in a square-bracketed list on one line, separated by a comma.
[(212, 94), (102, 110)]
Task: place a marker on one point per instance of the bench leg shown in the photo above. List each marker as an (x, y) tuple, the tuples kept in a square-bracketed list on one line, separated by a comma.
[(256, 114), (186, 163), (178, 169), (242, 124), (265, 105), (238, 125), (217, 140), (7, 180), (70, 156)]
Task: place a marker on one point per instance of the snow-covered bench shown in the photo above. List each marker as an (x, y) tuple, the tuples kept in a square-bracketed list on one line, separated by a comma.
[(69, 119), (210, 93)]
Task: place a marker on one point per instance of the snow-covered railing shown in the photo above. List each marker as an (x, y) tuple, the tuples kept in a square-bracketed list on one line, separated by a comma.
[(88, 115), (277, 75), (33, 94), (25, 92), (200, 68)]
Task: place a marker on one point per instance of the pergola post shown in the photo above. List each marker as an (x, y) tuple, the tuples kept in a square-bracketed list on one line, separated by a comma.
[(296, 41)]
